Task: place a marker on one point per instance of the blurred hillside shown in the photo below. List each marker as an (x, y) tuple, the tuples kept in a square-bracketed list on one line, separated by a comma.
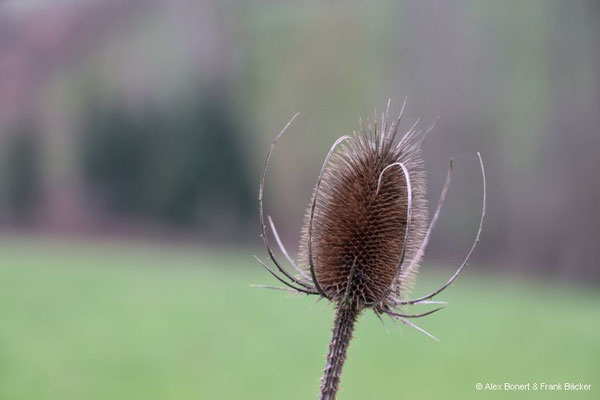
[(134, 117)]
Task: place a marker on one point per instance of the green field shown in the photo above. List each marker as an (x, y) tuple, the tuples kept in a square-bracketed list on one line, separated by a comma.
[(92, 321)]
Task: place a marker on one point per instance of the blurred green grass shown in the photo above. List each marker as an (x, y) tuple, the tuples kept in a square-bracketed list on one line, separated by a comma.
[(118, 321)]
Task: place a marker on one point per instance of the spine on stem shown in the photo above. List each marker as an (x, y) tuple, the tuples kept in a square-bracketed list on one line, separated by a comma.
[(342, 334)]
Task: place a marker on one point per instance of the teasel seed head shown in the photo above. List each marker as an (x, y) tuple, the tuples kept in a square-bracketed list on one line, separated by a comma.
[(370, 214), (364, 233)]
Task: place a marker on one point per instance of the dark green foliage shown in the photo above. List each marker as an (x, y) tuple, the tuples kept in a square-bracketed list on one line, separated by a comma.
[(115, 157), (182, 165), (21, 175)]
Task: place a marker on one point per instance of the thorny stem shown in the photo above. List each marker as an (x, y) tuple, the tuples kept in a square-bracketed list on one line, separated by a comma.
[(343, 326)]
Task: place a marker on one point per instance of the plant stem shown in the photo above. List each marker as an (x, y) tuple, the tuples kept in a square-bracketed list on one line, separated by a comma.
[(342, 334)]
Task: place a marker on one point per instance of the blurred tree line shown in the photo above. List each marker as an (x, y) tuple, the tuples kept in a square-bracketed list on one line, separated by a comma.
[(151, 111), (179, 165), (182, 165)]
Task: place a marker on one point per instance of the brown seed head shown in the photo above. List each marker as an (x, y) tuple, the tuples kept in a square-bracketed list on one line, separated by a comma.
[(364, 233), (363, 230)]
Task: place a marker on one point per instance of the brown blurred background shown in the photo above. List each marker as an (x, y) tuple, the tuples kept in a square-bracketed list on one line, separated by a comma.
[(150, 119)]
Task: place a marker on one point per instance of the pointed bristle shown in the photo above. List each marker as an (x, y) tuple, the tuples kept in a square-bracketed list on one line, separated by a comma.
[(361, 216)]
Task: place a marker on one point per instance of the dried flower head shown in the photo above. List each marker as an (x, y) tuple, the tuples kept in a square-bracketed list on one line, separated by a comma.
[(365, 232)]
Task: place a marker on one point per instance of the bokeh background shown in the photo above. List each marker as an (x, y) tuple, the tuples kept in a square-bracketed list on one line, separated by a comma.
[(132, 134)]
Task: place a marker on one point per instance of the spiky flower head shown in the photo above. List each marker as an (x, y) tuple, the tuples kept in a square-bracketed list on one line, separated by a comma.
[(365, 231), (369, 214)]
